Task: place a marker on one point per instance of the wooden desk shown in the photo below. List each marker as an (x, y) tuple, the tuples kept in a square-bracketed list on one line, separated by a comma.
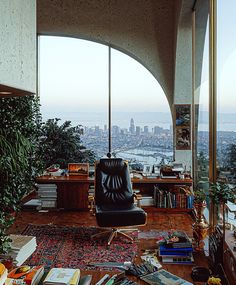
[(72, 191), (173, 181)]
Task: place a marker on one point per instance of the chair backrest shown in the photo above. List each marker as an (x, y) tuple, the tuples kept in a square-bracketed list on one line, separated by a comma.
[(112, 183)]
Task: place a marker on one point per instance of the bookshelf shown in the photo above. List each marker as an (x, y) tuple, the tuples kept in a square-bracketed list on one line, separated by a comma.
[(169, 187)]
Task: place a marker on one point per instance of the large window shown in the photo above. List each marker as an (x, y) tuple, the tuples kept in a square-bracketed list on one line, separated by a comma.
[(74, 86), (226, 86), (201, 96)]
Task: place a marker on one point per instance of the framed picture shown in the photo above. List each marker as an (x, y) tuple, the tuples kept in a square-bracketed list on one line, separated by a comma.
[(78, 169), (183, 115), (183, 126), (147, 169), (183, 138)]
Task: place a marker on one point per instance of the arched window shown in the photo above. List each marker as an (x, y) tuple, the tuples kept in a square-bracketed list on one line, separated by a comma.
[(74, 85)]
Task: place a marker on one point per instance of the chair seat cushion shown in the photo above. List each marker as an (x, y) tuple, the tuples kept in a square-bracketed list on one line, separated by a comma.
[(108, 216)]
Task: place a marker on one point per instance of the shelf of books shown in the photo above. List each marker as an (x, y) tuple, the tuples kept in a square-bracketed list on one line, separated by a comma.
[(176, 199)]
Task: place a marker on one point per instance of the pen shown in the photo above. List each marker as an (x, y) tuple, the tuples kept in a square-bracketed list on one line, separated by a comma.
[(102, 279)]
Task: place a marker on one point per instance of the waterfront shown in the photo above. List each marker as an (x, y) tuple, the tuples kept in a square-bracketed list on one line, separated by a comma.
[(144, 156)]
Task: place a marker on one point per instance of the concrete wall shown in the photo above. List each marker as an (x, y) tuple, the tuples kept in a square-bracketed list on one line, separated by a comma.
[(18, 44), (183, 74)]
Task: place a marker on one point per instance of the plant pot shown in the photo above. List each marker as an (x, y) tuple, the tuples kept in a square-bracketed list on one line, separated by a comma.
[(200, 227)]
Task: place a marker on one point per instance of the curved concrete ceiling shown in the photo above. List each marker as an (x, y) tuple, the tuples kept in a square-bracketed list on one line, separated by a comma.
[(144, 29)]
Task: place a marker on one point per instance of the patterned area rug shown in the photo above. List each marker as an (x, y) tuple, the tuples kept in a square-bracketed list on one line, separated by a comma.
[(73, 247)]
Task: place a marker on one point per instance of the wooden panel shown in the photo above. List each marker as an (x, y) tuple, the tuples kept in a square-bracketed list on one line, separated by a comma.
[(72, 196)]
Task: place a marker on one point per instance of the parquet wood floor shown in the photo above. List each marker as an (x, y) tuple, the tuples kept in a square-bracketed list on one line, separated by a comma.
[(158, 221)]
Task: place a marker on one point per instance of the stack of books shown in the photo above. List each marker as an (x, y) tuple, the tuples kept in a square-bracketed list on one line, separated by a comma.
[(147, 200), (176, 249), (21, 248), (30, 275), (48, 195), (3, 273), (62, 276)]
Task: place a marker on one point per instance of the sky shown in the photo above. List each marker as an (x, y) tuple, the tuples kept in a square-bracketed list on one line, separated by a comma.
[(73, 75)]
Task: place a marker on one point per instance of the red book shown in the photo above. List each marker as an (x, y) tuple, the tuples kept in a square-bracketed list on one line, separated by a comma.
[(25, 274)]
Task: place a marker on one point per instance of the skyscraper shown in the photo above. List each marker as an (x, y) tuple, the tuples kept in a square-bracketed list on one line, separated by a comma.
[(145, 129), (138, 130), (132, 127)]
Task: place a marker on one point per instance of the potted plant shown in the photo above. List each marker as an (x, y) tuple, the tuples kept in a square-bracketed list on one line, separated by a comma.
[(221, 192), (199, 202)]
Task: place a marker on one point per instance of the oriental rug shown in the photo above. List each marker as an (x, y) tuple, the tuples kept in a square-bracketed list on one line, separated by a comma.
[(73, 247)]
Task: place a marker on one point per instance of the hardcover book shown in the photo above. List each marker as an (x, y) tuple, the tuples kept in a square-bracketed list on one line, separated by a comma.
[(174, 251), (163, 277), (176, 259), (62, 276)]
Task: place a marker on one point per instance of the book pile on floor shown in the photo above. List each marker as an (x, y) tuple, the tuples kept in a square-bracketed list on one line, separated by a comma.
[(48, 195), (30, 275), (176, 249), (21, 248), (3, 273)]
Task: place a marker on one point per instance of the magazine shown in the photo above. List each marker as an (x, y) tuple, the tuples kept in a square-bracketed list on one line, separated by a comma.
[(150, 256), (163, 277), (25, 274)]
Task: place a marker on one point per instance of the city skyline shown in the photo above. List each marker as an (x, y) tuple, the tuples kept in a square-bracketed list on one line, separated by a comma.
[(226, 122)]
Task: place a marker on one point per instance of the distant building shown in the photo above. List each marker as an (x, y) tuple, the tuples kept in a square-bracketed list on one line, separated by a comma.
[(105, 128), (115, 130), (132, 127), (157, 130), (138, 131), (145, 129), (97, 131)]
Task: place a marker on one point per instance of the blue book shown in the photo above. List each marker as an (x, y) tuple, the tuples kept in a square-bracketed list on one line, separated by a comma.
[(175, 251), (166, 248)]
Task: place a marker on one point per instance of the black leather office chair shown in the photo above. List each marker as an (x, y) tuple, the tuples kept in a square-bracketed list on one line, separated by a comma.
[(114, 198)]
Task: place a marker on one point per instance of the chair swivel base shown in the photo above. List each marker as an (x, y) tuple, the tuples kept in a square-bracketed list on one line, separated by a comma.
[(113, 233)]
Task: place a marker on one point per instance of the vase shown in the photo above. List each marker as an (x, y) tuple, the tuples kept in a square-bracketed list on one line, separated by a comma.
[(200, 227)]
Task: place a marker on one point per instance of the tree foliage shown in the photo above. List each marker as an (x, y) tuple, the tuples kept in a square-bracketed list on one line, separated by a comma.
[(20, 121), (61, 144)]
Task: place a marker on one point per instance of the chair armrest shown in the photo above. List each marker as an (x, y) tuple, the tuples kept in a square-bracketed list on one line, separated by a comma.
[(138, 198)]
